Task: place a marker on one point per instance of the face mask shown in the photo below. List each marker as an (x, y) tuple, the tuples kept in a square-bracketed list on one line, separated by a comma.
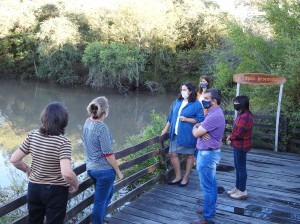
[(206, 104), (184, 94), (203, 85), (237, 107)]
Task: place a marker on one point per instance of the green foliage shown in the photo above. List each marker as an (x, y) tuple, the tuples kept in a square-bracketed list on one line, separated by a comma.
[(16, 189), (114, 65), (283, 16), (55, 33), (145, 33), (84, 28), (46, 12), (248, 50), (17, 55), (60, 65), (153, 129)]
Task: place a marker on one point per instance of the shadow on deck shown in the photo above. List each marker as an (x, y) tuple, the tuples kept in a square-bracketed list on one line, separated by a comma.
[(273, 186)]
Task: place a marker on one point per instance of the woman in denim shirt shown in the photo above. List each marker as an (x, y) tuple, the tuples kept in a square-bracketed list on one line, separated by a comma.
[(185, 113)]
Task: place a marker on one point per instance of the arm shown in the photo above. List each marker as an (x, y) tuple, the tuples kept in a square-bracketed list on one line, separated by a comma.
[(198, 131), (69, 175), (17, 160), (198, 114), (113, 162), (190, 120), (107, 150), (165, 130)]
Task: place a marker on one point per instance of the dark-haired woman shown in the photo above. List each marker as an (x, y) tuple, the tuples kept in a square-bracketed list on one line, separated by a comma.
[(204, 84), (240, 140), (101, 164), (50, 176), (185, 113)]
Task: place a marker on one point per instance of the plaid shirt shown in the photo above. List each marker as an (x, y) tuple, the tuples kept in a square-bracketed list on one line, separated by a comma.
[(241, 132)]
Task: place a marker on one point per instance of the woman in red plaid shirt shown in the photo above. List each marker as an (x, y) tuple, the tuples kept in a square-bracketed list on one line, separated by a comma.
[(240, 140)]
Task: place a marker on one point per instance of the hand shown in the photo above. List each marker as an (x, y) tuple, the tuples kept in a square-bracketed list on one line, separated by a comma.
[(120, 175), (228, 138), (182, 118), (197, 125), (28, 172), (73, 189), (164, 131), (205, 137)]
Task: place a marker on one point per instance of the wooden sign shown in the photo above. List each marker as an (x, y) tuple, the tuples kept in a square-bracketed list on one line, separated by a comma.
[(258, 79)]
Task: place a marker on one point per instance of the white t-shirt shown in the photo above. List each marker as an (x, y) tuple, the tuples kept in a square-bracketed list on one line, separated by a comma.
[(183, 104), (201, 98)]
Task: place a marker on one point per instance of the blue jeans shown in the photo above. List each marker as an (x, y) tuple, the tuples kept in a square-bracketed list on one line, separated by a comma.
[(104, 190), (47, 200), (206, 165), (240, 169)]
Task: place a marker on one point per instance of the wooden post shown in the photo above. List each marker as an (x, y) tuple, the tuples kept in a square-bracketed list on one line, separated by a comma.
[(162, 159)]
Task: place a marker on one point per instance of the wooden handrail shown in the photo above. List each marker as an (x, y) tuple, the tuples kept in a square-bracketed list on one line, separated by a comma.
[(88, 183)]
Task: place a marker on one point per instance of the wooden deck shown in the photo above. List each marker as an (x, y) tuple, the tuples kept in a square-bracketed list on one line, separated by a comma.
[(273, 186)]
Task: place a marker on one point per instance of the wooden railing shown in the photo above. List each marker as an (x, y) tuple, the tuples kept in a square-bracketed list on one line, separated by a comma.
[(264, 127), (152, 151), (293, 135)]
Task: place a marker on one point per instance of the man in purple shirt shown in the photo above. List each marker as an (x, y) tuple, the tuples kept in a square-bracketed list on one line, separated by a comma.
[(209, 134)]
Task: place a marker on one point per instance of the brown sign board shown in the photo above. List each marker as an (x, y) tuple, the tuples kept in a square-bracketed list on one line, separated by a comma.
[(258, 79)]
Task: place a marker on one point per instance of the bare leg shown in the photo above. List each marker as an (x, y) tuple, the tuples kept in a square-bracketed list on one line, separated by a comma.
[(176, 165), (188, 168)]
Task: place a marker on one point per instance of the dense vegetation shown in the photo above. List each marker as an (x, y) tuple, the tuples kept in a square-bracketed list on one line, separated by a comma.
[(152, 45)]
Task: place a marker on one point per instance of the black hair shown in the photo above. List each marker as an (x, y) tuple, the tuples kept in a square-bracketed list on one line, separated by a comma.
[(192, 89), (244, 102), (215, 94), (54, 119)]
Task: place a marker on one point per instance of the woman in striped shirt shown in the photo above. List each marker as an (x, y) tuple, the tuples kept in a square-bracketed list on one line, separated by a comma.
[(50, 175)]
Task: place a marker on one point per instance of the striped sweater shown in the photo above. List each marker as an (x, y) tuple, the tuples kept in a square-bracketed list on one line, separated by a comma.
[(46, 152)]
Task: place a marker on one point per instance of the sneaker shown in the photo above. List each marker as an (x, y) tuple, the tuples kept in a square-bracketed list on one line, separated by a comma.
[(234, 190), (239, 195)]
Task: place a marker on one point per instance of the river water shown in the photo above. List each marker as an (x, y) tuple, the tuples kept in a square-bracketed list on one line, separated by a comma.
[(21, 103)]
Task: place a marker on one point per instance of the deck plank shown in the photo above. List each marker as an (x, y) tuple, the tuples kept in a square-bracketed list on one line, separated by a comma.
[(273, 185)]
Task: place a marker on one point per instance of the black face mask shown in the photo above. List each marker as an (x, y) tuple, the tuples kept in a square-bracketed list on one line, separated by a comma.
[(237, 107)]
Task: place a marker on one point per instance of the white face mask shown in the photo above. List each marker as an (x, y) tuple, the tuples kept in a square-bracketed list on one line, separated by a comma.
[(184, 94)]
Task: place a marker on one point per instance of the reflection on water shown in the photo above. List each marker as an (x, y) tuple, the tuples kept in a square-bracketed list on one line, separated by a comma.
[(21, 103)]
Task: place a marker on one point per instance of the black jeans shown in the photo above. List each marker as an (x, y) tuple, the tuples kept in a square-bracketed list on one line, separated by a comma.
[(49, 200)]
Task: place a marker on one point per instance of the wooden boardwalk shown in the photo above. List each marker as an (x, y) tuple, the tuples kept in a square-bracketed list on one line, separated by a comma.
[(273, 186)]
